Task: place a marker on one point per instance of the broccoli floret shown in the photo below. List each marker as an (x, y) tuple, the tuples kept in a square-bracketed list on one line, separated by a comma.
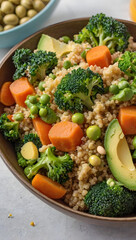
[(78, 89), (103, 30), (127, 63), (33, 65), (10, 130), (110, 199), (57, 167), (24, 162), (32, 137)]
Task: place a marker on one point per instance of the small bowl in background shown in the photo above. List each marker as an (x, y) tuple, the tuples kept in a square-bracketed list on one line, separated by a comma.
[(10, 37)]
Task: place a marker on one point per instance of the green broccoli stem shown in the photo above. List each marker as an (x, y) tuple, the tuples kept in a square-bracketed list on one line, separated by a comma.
[(86, 100), (31, 171)]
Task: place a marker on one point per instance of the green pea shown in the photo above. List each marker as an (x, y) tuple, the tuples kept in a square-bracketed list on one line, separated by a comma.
[(33, 99), (83, 54), (134, 142), (43, 112), (78, 118), (34, 110), (65, 39), (18, 116), (123, 84), (44, 99), (124, 95), (134, 155), (53, 76), (40, 86), (114, 89), (94, 160), (67, 64), (93, 132)]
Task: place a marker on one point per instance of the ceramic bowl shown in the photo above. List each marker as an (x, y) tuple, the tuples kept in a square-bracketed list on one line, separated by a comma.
[(10, 37), (68, 28)]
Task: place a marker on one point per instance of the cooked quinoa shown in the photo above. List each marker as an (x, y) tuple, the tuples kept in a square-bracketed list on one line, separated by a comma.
[(104, 111)]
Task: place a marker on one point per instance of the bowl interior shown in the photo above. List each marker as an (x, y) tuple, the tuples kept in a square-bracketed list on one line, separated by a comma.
[(68, 28)]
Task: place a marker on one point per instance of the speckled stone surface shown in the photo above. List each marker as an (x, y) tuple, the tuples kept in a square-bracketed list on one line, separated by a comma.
[(26, 208)]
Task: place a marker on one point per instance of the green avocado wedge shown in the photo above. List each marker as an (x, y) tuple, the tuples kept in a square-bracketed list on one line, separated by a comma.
[(118, 156)]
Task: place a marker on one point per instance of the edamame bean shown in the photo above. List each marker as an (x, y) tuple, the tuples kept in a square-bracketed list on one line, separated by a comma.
[(34, 109), (23, 20), (31, 13), (40, 86), (33, 99), (43, 112), (93, 132), (94, 160), (44, 99), (114, 89), (123, 84), (51, 75), (134, 142), (18, 116), (20, 11), (7, 7), (28, 4), (124, 95), (67, 64), (10, 19), (78, 118), (65, 39), (38, 5), (8, 27)]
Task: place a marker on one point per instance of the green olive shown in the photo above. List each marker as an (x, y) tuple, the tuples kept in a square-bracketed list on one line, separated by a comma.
[(114, 89), (20, 11), (7, 7), (78, 118), (134, 142), (31, 13), (8, 27), (18, 116), (43, 112), (65, 39), (40, 86), (67, 64), (44, 99), (10, 19), (32, 99), (123, 84), (93, 132), (24, 19), (53, 76), (28, 4), (34, 109), (94, 160), (83, 54), (38, 5)]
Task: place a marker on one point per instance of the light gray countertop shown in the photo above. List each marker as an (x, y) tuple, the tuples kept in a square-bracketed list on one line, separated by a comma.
[(25, 207)]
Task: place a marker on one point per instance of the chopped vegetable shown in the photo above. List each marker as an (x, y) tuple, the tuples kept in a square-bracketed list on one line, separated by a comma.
[(66, 136), (29, 151), (6, 97), (127, 63), (20, 89), (42, 129), (127, 120), (48, 187), (99, 56)]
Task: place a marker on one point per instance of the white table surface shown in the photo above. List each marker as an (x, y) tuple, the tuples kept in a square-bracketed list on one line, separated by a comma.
[(15, 199)]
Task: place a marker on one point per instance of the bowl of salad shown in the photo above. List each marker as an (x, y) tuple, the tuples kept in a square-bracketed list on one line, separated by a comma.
[(68, 117)]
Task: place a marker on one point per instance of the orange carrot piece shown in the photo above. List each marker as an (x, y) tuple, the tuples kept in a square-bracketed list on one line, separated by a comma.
[(42, 128), (10, 117), (48, 187), (6, 97), (99, 56), (127, 120), (65, 136), (20, 88)]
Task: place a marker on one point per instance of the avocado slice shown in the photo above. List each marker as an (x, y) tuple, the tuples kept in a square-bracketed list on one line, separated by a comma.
[(51, 44), (118, 156)]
